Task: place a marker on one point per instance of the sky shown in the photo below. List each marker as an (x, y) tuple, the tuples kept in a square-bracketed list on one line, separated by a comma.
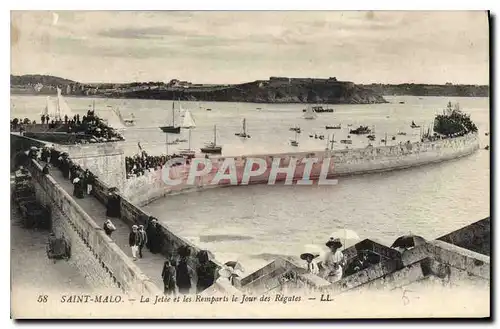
[(238, 46)]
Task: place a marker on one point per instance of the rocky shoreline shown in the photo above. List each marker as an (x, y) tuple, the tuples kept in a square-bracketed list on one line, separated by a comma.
[(274, 90)]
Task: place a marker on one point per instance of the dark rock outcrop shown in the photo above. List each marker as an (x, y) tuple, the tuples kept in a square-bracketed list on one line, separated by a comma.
[(411, 89), (331, 92), (274, 90)]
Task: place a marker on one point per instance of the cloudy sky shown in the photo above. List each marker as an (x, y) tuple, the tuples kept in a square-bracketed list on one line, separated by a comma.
[(231, 47)]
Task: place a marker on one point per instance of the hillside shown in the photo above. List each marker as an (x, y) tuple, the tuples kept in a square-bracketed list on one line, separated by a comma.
[(33, 79), (449, 90), (331, 92), (274, 90)]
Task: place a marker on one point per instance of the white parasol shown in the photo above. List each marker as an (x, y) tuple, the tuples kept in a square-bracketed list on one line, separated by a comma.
[(76, 180), (345, 234)]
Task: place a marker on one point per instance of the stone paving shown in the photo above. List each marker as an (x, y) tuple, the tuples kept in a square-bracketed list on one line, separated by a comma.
[(151, 264), (30, 267)]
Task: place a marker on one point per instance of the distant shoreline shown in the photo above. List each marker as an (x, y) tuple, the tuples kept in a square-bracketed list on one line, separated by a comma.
[(275, 90), (17, 93)]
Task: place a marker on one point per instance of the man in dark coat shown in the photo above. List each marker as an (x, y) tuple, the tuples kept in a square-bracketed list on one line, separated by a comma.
[(113, 207), (151, 232), (65, 167), (205, 271), (183, 271), (168, 276), (155, 237)]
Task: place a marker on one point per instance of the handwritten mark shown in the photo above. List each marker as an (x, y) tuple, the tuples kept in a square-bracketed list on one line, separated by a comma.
[(405, 298)]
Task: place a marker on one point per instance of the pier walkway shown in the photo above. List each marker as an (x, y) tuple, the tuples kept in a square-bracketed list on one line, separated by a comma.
[(151, 264)]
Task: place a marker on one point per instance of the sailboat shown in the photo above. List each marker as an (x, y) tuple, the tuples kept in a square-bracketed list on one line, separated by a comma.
[(172, 129), (50, 109), (63, 108), (295, 142), (188, 123), (413, 125), (243, 132), (212, 147), (125, 122), (310, 114), (182, 113)]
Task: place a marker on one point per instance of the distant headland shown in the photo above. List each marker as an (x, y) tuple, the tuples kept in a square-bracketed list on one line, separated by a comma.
[(274, 90)]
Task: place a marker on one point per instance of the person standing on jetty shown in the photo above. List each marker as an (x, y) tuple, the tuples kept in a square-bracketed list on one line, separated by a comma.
[(154, 236), (168, 276), (113, 205), (144, 239), (183, 271), (134, 240), (88, 178), (334, 261), (205, 271)]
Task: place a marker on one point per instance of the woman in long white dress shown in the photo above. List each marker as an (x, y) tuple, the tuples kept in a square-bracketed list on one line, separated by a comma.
[(333, 262)]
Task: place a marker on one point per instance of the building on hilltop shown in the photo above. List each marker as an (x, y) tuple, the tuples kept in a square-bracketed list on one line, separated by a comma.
[(178, 83)]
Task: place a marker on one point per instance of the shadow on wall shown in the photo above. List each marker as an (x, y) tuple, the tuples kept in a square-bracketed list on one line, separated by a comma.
[(475, 237), (125, 274), (132, 215)]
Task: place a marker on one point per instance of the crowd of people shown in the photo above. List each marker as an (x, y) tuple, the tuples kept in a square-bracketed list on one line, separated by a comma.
[(139, 164), (82, 179), (177, 274), (89, 125), (181, 273)]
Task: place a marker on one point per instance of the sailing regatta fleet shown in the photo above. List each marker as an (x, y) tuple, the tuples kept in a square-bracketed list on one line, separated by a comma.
[(58, 108)]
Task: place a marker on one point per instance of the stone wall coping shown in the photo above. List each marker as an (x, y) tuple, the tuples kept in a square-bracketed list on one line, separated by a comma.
[(151, 288)]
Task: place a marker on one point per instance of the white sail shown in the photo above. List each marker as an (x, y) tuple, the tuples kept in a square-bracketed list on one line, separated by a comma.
[(182, 112), (188, 121), (50, 108), (310, 114), (116, 120), (63, 107)]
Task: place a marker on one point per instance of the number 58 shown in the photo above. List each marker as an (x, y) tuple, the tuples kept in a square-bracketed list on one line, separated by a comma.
[(42, 299)]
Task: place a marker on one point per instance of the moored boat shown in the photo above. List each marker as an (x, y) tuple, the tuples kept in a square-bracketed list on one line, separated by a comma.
[(334, 127), (212, 147), (320, 109), (310, 114), (243, 132), (173, 129), (361, 130)]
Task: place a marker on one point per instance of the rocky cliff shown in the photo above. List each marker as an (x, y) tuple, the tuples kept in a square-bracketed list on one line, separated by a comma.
[(412, 89), (274, 90), (331, 92)]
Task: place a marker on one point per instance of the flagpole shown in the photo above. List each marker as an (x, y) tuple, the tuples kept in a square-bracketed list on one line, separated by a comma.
[(166, 142)]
